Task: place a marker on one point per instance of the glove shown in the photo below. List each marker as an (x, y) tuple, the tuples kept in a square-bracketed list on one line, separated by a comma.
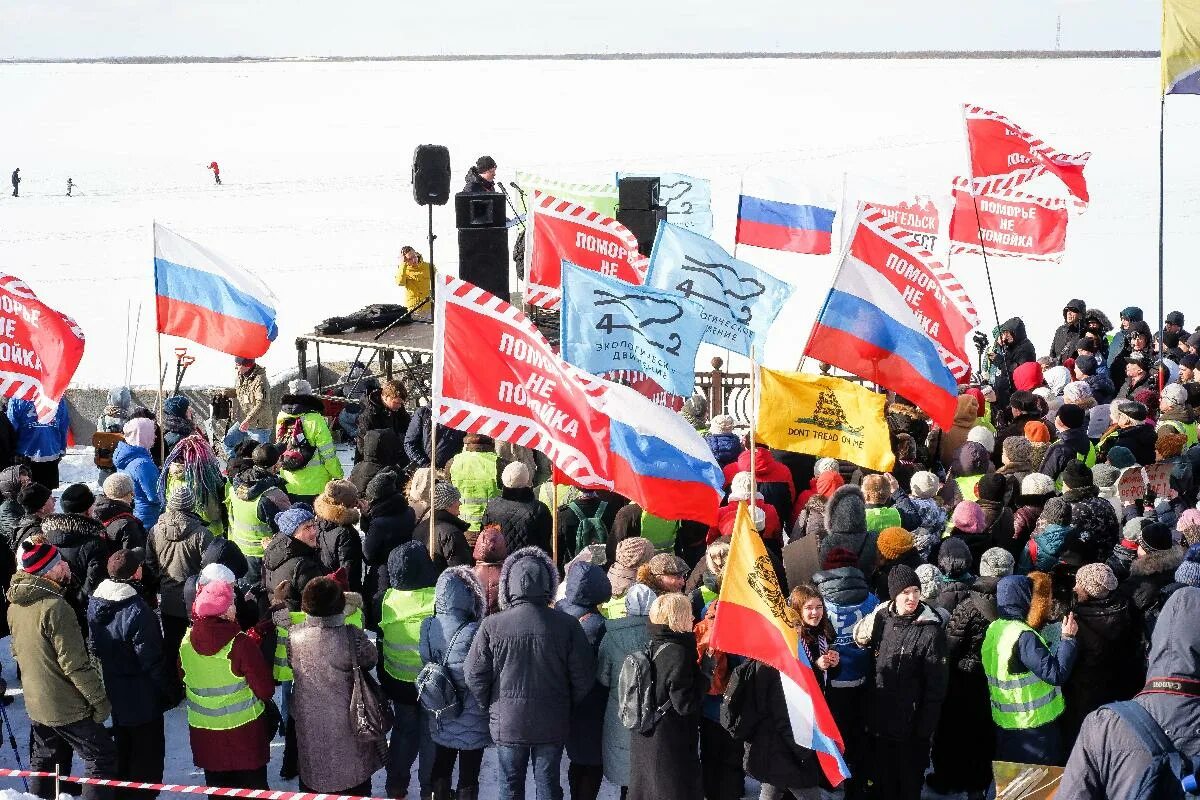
[(282, 590), (101, 711)]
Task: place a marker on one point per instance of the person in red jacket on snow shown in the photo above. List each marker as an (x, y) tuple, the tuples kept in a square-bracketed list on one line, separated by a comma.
[(216, 170)]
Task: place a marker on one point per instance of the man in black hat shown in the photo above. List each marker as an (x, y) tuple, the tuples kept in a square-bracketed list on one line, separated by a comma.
[(481, 178), (16, 181)]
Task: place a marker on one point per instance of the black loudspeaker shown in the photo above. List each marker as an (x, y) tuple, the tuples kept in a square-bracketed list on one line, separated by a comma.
[(431, 175), (637, 194), (643, 225), (483, 258), (479, 210)]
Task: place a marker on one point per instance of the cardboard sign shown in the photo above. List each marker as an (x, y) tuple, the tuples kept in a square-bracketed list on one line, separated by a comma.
[(1158, 477), (1132, 485)]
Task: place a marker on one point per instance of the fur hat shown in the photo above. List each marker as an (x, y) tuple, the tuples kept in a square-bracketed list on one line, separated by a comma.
[(996, 562), (38, 558), (716, 556), (1035, 484), (1121, 457), (1097, 580), (969, 517), (839, 557), (846, 511), (299, 387), (875, 490), (825, 465), (954, 557), (1188, 572), (213, 599), (1157, 536), (445, 495), (1071, 416), (1169, 444), (1057, 511), (1076, 475), (1036, 431), (929, 576), (322, 597), (721, 423), (516, 476), (32, 497), (76, 499), (892, 543), (901, 577), (341, 492), (1016, 450), (983, 436), (118, 485), (924, 485), (182, 498)]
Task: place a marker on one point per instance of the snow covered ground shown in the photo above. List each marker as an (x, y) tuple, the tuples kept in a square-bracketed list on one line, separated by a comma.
[(316, 160)]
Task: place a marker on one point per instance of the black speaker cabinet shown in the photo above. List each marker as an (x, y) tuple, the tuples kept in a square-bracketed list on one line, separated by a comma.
[(479, 210), (483, 258), (643, 225), (637, 194), (431, 175)]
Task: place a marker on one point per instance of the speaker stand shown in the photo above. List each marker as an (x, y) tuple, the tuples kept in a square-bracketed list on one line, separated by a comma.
[(432, 271)]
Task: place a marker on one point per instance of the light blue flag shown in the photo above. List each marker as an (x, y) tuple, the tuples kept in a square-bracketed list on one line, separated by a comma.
[(608, 324), (739, 301), (688, 200)]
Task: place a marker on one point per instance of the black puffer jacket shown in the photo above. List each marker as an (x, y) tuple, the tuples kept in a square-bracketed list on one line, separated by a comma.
[(1148, 576), (527, 637), (286, 558), (339, 541), (123, 530), (80, 542), (376, 416), (388, 523), (1019, 352), (908, 683), (381, 449), (524, 520), (451, 548), (771, 757), (968, 625), (1063, 346), (1138, 438)]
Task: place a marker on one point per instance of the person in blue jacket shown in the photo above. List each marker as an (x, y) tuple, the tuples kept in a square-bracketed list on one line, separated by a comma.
[(42, 444), (132, 457)]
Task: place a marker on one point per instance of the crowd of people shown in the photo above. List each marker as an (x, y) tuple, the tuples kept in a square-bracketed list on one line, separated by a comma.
[(990, 598)]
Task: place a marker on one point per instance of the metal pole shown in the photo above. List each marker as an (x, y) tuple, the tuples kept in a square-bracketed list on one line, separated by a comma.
[(978, 228), (554, 521), (1162, 110), (162, 440)]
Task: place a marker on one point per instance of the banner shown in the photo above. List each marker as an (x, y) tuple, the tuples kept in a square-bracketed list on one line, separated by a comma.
[(1002, 150), (608, 324), (560, 231), (40, 348), (688, 200), (599, 197), (646, 386), (738, 301), (1181, 47), (924, 215), (495, 374), (1009, 223), (823, 416)]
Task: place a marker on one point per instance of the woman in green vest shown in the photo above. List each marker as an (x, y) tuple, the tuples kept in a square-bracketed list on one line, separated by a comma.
[(1024, 676)]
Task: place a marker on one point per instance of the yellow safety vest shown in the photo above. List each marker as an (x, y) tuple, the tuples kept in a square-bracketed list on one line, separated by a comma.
[(281, 669), (217, 700), (245, 528), (614, 608), (1020, 700), (403, 613), (474, 475)]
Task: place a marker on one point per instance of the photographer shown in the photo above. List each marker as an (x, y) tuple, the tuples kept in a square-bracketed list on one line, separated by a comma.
[(1012, 349)]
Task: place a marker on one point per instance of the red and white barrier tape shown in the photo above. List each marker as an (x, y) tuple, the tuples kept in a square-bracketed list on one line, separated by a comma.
[(216, 791)]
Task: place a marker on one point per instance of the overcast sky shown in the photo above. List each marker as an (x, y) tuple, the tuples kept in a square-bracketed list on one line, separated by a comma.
[(96, 28)]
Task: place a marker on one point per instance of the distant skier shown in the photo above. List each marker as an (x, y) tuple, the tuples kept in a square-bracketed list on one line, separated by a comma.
[(216, 169), (70, 186), (16, 181)]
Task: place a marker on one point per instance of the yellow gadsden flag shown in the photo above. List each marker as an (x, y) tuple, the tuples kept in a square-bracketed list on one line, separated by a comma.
[(1181, 47), (823, 417)]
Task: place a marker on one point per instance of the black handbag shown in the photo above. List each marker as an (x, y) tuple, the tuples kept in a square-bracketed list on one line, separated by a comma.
[(370, 713)]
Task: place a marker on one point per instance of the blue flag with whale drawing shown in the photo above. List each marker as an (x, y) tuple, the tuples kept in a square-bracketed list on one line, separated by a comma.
[(608, 324), (738, 301)]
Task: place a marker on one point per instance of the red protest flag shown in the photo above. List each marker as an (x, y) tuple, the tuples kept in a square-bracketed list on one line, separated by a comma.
[(1008, 223), (40, 348), (1002, 150)]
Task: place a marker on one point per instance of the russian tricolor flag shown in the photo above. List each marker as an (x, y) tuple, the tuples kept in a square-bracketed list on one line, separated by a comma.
[(783, 216), (203, 297)]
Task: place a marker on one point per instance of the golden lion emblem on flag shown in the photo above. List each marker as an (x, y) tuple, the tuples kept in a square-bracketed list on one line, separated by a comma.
[(765, 583)]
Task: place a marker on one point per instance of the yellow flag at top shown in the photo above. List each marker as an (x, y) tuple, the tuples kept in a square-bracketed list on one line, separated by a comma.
[(1181, 47), (823, 416)]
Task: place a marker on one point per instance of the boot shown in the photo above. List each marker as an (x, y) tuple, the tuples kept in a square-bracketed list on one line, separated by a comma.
[(440, 788), (468, 792)]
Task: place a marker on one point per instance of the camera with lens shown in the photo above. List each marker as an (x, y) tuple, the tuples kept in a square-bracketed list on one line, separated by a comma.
[(981, 340)]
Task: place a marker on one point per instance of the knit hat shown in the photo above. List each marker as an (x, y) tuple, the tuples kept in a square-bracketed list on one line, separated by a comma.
[(182, 498), (1121, 457), (1036, 431), (1173, 395), (1169, 443), (445, 495), (929, 576), (992, 486), (517, 476), (839, 557), (924, 540), (213, 599), (216, 572), (1071, 416), (288, 522), (739, 487), (996, 562), (1157, 536), (1016, 450), (176, 406), (1076, 392), (1134, 410), (1131, 313), (924, 485), (1035, 484), (1098, 580), (901, 577), (1132, 530), (846, 511), (1105, 476), (39, 558), (76, 499), (1057, 511), (299, 387), (954, 557), (123, 563), (631, 554), (968, 517), (1087, 365), (118, 485), (667, 564), (385, 484), (1188, 525), (983, 436), (33, 497), (1188, 572), (893, 543), (1076, 475), (721, 423), (825, 465), (875, 489)]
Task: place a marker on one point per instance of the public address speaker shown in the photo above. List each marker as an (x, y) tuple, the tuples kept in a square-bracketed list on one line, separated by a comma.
[(431, 175)]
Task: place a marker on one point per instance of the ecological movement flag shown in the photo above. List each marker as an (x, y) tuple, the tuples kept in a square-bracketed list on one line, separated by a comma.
[(823, 416), (1181, 47), (688, 200), (599, 197), (754, 620)]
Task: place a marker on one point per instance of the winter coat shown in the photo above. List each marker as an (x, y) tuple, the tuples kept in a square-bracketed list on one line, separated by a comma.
[(376, 416), (1109, 664), (622, 637), (1103, 389), (127, 640), (1065, 338), (338, 540), (245, 747), (381, 449), (219, 551), (137, 463), (251, 392), (489, 553), (1025, 520), (952, 592), (525, 520), (388, 523), (1148, 576), (1042, 549), (331, 758), (771, 756), (10, 513), (450, 541), (323, 466), (39, 441), (417, 440), (1109, 759), (525, 638), (846, 532), (458, 608), (665, 762), (1093, 517), (847, 600), (879, 578), (1139, 438), (999, 531), (1020, 352), (288, 559), (587, 589), (907, 684), (968, 626), (122, 529), (588, 505), (1014, 428), (80, 541), (774, 480), (174, 553), (966, 416), (60, 683), (1071, 443), (725, 447)]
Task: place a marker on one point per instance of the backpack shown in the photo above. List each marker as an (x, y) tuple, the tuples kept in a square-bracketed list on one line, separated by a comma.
[(733, 703), (104, 445), (591, 529), (436, 691), (1163, 779), (296, 450), (635, 692)]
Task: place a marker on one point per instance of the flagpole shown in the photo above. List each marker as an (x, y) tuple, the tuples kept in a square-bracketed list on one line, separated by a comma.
[(1162, 111), (554, 521), (978, 226), (753, 431), (836, 274), (162, 374)]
